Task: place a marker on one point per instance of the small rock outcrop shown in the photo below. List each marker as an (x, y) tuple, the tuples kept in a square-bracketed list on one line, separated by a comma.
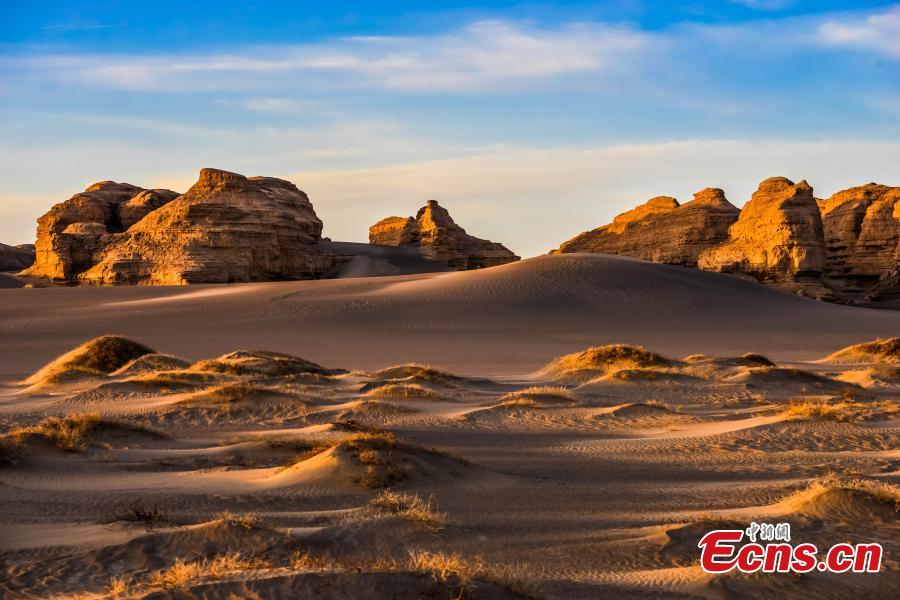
[(440, 239), (226, 228), (16, 258), (862, 236), (663, 231), (778, 239)]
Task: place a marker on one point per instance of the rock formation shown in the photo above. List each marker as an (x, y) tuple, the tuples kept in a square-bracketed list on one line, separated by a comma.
[(778, 238), (71, 233), (440, 239), (862, 236), (16, 258), (226, 228), (661, 230)]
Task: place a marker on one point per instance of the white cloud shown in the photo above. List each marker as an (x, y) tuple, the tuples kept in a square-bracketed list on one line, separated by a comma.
[(270, 105), (764, 4), (483, 56), (878, 32)]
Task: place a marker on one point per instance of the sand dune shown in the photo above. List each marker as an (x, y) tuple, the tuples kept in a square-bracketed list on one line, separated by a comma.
[(514, 318), (482, 434)]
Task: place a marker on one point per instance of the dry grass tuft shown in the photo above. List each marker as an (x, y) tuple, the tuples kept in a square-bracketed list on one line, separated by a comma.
[(600, 360), (99, 356), (71, 432), (882, 491), (406, 506), (404, 390), (842, 410), (259, 363), (887, 351), (181, 575), (538, 396), (415, 371), (304, 561), (245, 520)]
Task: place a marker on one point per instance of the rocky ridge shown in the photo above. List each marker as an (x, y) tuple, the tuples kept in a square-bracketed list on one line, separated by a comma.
[(15, 258), (226, 228), (440, 239), (662, 230), (845, 248)]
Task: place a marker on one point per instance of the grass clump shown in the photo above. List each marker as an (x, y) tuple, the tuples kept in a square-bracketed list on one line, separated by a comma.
[(404, 390), (887, 350), (842, 410), (600, 360), (406, 506), (881, 491), (72, 433), (259, 363), (99, 356), (181, 574)]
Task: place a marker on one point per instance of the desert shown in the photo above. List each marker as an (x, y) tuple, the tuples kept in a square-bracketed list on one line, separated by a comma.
[(406, 436), (458, 300)]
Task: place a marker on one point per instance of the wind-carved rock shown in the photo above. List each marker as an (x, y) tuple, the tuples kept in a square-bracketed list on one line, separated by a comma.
[(15, 258), (778, 239), (70, 233), (663, 231), (862, 235), (440, 239), (226, 228)]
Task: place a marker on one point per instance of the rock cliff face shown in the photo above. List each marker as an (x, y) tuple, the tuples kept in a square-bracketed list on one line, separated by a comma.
[(440, 239), (70, 233), (862, 236), (777, 239), (226, 228), (661, 230), (16, 258)]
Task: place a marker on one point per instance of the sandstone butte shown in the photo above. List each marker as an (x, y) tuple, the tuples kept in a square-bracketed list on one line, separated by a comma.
[(778, 238), (845, 248), (663, 231), (440, 239), (862, 239), (15, 258), (226, 228)]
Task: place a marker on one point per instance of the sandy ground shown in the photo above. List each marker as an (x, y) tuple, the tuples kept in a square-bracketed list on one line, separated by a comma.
[(500, 321), (260, 475)]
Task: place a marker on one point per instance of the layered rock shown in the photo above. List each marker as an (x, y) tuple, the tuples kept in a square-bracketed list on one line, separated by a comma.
[(69, 235), (661, 230), (778, 238), (16, 258), (440, 239), (226, 228), (139, 206), (862, 236)]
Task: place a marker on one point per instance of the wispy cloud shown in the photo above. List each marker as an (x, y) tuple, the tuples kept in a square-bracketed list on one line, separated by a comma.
[(764, 4), (483, 56), (78, 26), (878, 32)]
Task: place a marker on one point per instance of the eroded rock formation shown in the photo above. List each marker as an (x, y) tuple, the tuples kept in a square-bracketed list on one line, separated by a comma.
[(16, 258), (440, 239), (661, 230), (226, 228), (862, 236), (845, 248), (777, 239), (70, 233)]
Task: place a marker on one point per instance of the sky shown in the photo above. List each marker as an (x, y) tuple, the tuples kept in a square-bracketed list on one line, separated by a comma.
[(529, 121)]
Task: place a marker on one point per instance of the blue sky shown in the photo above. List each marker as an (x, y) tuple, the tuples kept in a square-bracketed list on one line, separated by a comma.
[(530, 121)]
